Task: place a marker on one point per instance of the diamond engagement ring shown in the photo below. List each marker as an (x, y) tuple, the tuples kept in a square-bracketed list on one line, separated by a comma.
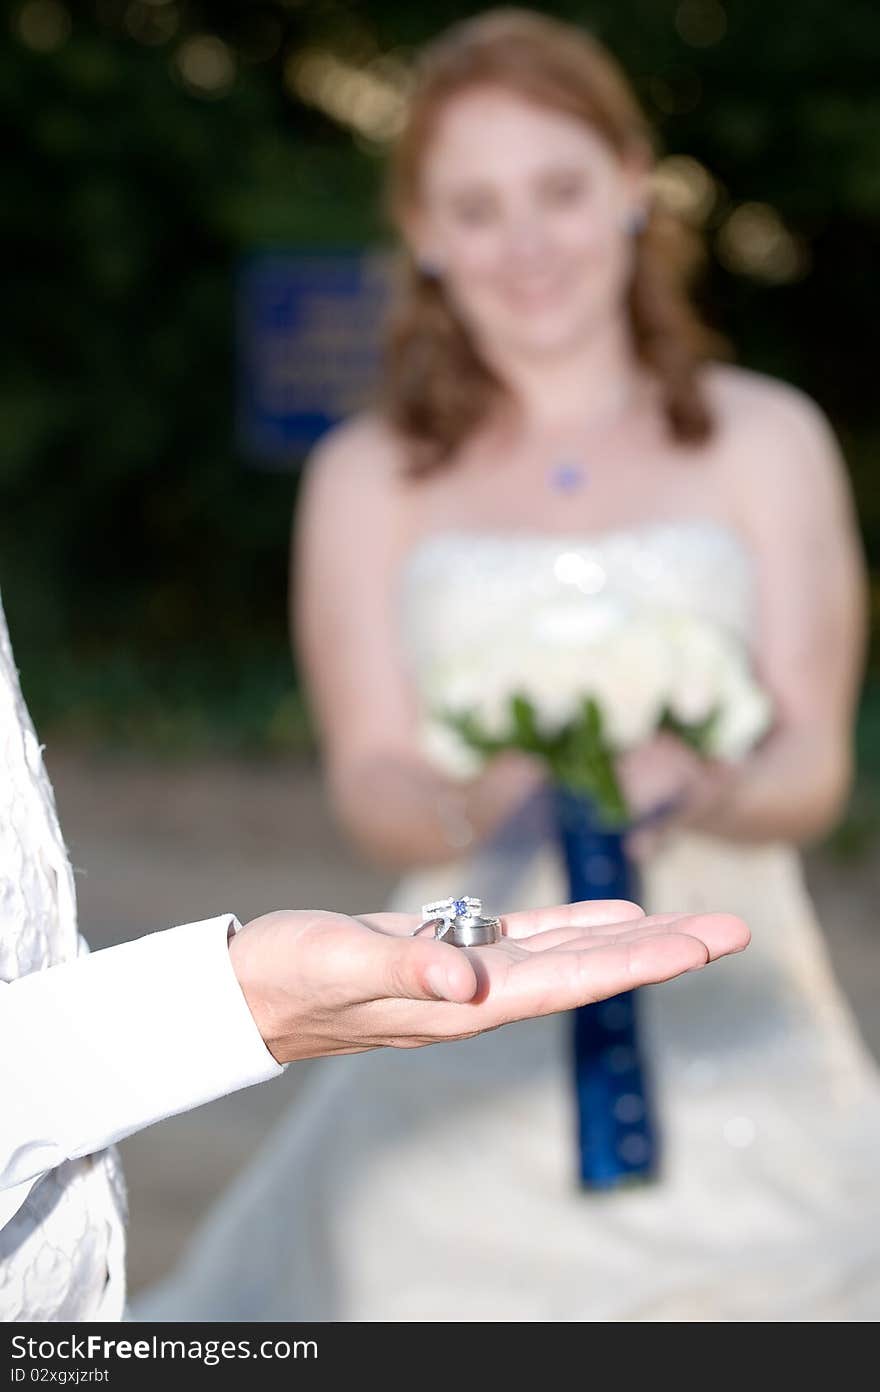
[(460, 921), (452, 907)]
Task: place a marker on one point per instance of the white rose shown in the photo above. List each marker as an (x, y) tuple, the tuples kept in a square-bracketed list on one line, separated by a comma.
[(480, 687), (745, 715), (556, 686), (704, 658), (492, 711), (447, 751), (631, 683)]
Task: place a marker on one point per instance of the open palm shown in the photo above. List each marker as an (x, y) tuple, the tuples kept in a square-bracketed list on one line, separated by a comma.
[(322, 983)]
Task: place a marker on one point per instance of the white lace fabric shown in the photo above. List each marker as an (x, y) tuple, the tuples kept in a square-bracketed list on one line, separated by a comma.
[(62, 1253)]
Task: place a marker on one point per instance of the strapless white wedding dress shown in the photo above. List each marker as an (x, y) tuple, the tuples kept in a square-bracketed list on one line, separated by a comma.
[(439, 1184)]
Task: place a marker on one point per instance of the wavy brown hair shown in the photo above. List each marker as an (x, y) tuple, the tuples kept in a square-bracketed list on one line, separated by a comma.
[(436, 389)]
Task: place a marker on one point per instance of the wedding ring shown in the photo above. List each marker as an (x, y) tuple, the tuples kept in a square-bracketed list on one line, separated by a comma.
[(438, 927), (453, 907), (472, 930), (460, 921)]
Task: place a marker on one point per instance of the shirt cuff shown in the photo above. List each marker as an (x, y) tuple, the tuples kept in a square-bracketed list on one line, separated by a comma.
[(112, 1042)]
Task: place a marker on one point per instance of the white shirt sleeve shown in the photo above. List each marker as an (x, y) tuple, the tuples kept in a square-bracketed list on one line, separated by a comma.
[(94, 1049)]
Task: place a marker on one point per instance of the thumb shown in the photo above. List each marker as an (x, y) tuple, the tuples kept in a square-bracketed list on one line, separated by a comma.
[(422, 970)]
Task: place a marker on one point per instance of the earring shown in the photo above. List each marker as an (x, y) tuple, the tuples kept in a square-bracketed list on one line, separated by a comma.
[(428, 267)]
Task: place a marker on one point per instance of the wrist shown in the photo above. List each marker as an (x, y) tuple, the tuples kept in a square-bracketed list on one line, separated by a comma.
[(240, 959)]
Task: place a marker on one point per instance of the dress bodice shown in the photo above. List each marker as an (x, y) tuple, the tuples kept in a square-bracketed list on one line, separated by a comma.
[(459, 587), (60, 1255)]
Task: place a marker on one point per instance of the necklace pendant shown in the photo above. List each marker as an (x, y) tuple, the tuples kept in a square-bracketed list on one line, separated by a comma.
[(567, 478)]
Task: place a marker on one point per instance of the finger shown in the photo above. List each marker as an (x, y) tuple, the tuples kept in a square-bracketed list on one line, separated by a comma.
[(554, 981), (672, 921), (413, 969), (712, 785), (588, 913), (721, 933), (584, 938), (642, 845)]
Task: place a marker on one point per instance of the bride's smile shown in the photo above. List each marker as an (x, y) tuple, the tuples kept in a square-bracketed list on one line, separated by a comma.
[(522, 211)]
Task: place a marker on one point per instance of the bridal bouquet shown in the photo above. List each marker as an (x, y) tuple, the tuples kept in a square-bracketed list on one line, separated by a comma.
[(576, 685), (579, 704)]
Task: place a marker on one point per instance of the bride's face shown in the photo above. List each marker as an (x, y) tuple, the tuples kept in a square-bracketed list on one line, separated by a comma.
[(524, 214)]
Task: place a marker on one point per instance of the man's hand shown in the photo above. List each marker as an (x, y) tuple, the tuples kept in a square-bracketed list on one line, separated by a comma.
[(322, 983)]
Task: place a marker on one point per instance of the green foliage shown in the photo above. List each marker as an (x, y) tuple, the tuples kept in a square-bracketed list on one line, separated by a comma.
[(132, 534), (585, 764), (577, 755), (126, 701)]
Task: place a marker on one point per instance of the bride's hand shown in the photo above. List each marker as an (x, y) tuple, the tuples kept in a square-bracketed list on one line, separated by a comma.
[(506, 783), (667, 777), (322, 983)]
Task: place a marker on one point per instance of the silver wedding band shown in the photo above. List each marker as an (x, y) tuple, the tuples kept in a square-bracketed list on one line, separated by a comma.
[(471, 930)]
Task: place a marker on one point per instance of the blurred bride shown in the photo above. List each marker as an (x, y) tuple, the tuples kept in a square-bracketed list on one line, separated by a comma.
[(552, 430)]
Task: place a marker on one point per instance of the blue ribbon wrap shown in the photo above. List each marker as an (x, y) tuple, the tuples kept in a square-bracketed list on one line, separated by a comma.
[(616, 1129)]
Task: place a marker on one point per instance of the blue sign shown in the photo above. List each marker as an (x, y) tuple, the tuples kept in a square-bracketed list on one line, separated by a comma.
[(308, 341)]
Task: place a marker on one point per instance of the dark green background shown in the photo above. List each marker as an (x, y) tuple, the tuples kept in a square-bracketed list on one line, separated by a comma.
[(143, 563)]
